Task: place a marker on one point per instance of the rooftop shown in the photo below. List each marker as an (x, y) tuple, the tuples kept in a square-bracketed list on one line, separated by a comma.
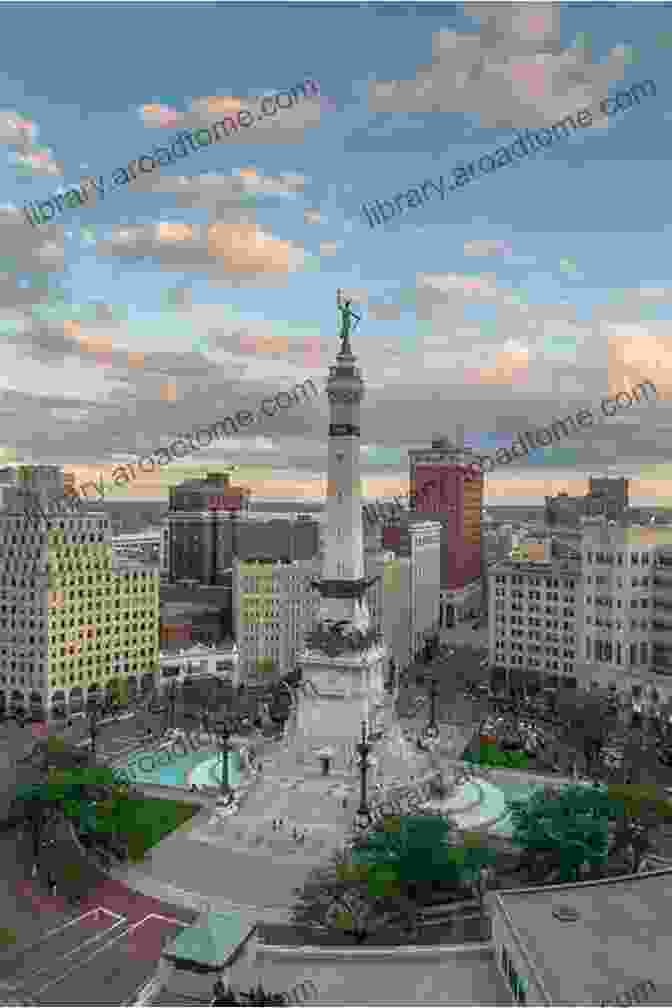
[(619, 939)]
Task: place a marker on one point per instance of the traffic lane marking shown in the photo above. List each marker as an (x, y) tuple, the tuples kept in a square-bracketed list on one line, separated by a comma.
[(89, 916), (58, 958), (125, 948)]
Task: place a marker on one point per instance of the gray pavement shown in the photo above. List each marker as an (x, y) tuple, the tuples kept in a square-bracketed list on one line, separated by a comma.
[(453, 979)]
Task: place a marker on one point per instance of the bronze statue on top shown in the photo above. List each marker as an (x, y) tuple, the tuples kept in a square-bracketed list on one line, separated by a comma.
[(347, 314)]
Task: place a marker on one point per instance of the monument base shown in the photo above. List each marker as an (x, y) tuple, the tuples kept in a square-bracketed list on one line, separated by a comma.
[(338, 693)]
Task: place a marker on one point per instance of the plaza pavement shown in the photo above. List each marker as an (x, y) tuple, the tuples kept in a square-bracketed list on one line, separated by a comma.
[(224, 863), (230, 875)]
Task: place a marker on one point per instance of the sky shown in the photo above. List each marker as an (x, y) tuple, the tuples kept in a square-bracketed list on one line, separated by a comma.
[(200, 287)]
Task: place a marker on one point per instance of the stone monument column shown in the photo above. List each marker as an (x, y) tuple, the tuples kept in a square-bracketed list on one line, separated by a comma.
[(344, 655)]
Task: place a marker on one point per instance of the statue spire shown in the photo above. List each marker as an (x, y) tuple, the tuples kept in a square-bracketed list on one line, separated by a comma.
[(347, 314)]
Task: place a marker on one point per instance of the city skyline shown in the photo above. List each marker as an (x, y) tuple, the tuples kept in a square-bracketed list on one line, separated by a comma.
[(199, 295)]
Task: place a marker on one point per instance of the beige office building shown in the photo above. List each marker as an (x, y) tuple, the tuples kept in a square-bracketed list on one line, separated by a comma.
[(600, 619), (274, 604), (76, 622), (410, 572)]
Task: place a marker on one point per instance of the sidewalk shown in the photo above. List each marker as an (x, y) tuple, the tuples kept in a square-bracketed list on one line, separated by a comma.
[(165, 891)]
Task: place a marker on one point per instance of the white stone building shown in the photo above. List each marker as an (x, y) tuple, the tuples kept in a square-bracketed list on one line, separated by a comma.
[(601, 620), (410, 570), (199, 661)]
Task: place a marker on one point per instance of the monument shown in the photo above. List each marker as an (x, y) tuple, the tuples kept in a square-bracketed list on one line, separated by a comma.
[(344, 660)]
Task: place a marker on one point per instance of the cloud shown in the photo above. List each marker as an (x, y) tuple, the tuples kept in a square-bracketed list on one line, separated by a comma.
[(636, 354), (485, 247), (234, 254), (216, 191), (508, 74), (288, 125), (20, 133)]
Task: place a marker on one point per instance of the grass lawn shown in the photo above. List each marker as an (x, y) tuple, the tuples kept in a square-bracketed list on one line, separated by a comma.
[(489, 755), (144, 822)]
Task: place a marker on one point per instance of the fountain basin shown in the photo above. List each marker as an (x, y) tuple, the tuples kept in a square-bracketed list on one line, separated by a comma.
[(474, 805)]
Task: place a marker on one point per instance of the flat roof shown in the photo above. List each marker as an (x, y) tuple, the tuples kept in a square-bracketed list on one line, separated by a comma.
[(620, 939)]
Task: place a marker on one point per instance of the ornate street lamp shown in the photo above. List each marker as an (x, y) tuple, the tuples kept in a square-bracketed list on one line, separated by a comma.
[(93, 726), (363, 817), (433, 688), (430, 652), (224, 734), (172, 699)]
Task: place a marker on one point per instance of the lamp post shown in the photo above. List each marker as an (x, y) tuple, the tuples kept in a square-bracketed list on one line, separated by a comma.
[(433, 689), (430, 652), (93, 726), (363, 817), (224, 733), (172, 699)]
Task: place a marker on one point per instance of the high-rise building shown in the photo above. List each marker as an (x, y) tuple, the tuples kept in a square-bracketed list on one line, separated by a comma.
[(207, 530), (606, 497), (202, 525), (445, 489), (618, 565), (274, 605), (535, 619), (411, 585), (596, 616), (76, 623)]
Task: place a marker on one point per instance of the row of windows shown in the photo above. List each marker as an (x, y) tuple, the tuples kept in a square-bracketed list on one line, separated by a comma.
[(550, 611), (516, 620), (634, 582), (532, 662), (548, 582), (549, 649), (608, 558), (535, 635), (642, 603), (635, 625), (609, 652)]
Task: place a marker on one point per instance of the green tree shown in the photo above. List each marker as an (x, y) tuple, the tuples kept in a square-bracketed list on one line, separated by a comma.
[(67, 790), (563, 831), (640, 812), (415, 853), (344, 895)]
